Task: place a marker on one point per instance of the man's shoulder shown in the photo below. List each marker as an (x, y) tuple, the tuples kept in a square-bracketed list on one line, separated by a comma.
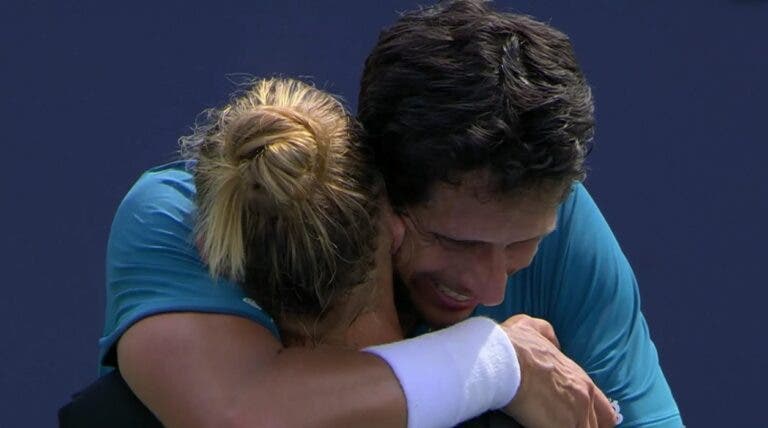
[(163, 193), (169, 181), (157, 212), (581, 225), (577, 204)]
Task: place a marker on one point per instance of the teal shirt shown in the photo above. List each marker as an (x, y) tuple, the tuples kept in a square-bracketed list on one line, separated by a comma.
[(580, 281)]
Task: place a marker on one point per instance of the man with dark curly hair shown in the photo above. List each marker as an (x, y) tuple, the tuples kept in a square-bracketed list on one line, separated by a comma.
[(481, 121)]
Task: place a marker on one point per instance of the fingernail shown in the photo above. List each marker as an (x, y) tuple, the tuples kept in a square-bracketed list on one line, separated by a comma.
[(617, 410)]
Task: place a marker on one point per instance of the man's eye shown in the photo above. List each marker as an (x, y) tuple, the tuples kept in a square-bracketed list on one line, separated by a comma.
[(529, 241), (452, 243)]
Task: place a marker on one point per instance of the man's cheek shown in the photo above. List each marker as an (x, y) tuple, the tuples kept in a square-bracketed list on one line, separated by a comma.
[(440, 267)]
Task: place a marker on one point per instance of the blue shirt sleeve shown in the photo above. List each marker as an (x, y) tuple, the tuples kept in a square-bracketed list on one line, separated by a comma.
[(582, 283), (153, 265)]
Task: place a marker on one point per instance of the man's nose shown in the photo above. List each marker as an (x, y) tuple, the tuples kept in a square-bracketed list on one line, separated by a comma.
[(495, 267)]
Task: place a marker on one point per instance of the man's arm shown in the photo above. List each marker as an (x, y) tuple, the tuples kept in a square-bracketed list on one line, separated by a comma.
[(596, 313), (199, 370)]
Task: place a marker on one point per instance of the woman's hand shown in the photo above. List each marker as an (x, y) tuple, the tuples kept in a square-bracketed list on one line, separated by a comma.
[(554, 390)]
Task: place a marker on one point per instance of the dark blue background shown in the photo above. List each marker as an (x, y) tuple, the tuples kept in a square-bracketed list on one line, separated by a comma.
[(93, 93)]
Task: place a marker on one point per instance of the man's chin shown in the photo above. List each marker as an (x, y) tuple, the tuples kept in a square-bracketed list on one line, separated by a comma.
[(437, 318)]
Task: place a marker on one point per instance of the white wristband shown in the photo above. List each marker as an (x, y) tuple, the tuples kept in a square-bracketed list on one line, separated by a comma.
[(454, 374)]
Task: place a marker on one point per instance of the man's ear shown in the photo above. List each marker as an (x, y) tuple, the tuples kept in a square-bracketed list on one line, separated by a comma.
[(397, 226), (395, 223)]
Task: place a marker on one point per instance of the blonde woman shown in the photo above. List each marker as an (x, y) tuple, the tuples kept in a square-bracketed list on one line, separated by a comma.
[(292, 208), (275, 228)]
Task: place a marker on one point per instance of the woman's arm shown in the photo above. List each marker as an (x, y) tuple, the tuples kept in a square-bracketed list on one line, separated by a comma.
[(200, 370)]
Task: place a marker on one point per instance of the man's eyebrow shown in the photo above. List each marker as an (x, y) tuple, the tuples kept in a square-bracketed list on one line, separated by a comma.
[(475, 242), (460, 240)]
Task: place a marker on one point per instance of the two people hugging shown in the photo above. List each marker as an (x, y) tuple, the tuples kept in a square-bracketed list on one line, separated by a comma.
[(429, 260)]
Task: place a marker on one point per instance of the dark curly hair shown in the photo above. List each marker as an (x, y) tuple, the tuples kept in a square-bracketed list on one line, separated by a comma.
[(459, 87)]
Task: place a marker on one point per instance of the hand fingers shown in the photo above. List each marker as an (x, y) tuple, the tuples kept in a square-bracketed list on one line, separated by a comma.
[(545, 329), (539, 325), (552, 336), (603, 410), (592, 421)]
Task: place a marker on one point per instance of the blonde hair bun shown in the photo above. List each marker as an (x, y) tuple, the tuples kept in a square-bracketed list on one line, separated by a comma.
[(285, 194), (282, 156)]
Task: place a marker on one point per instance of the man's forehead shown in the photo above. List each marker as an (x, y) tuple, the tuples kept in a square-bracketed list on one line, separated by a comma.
[(480, 186), (470, 211)]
